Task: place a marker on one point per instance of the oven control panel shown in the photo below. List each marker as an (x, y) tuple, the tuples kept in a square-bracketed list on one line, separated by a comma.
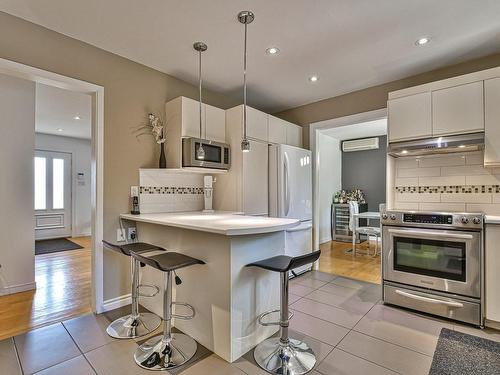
[(433, 219)]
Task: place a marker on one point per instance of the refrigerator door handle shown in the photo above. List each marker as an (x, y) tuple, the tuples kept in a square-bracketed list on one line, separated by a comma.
[(287, 185)]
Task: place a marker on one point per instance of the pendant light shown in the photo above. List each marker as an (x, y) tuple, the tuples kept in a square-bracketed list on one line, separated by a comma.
[(200, 47), (245, 17)]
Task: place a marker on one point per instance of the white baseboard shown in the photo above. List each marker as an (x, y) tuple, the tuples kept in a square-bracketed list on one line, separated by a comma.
[(492, 324), (83, 234), (17, 288), (325, 239), (115, 303)]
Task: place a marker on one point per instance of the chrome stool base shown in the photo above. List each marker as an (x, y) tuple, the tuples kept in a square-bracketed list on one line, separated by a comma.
[(129, 328), (296, 358), (159, 353)]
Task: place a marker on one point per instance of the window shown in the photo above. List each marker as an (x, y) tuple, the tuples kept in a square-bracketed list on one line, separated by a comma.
[(57, 184), (40, 183)]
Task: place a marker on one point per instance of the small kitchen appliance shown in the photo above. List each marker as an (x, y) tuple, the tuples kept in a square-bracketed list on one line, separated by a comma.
[(216, 154), (434, 263), (208, 192)]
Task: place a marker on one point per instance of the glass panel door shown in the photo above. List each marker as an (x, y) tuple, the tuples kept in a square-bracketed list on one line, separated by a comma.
[(437, 258)]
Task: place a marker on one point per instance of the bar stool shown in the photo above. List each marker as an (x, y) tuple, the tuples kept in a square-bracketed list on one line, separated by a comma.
[(167, 350), (284, 355), (136, 324)]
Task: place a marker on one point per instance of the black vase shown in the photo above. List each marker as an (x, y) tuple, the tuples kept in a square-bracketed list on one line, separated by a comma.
[(163, 161)]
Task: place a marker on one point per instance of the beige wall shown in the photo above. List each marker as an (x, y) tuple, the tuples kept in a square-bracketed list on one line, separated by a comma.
[(17, 147), (131, 91), (376, 97)]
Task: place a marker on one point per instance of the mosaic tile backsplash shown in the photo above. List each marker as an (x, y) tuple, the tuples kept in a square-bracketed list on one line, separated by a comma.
[(163, 190), (452, 182)]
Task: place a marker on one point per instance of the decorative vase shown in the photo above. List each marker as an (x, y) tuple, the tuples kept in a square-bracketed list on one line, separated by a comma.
[(163, 161)]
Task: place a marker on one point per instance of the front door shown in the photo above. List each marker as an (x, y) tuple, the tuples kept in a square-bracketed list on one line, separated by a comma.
[(52, 194)]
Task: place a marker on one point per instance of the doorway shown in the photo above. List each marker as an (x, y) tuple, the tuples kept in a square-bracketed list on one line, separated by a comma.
[(350, 164)]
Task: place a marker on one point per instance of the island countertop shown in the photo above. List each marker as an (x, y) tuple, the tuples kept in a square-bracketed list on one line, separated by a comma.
[(220, 222)]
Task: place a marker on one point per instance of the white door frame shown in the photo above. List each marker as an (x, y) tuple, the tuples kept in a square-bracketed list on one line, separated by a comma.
[(314, 130), (15, 69)]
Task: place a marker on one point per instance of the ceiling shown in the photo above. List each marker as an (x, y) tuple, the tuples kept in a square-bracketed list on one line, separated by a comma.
[(362, 130), (56, 110), (348, 44)]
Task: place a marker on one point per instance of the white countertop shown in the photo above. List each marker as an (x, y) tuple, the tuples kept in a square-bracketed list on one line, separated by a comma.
[(221, 222), (492, 219)]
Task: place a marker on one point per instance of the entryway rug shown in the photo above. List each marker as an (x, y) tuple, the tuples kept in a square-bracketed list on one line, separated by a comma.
[(54, 246), (462, 354)]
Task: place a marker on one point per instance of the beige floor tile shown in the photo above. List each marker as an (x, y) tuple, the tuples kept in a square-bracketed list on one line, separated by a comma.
[(308, 281), (403, 328), (89, 331), (249, 367), (385, 354), (355, 284), (8, 358), (75, 366), (321, 330), (213, 365), (487, 333), (45, 347), (341, 363), (321, 276), (300, 290), (292, 298), (351, 303), (116, 358), (320, 349), (326, 312)]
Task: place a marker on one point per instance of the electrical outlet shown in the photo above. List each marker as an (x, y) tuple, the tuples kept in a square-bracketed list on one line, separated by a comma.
[(120, 235), (131, 233)]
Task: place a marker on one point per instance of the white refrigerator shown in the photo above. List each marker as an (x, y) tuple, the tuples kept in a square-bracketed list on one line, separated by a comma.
[(290, 196)]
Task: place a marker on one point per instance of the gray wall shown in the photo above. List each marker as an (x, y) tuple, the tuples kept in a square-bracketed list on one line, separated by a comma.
[(366, 170)]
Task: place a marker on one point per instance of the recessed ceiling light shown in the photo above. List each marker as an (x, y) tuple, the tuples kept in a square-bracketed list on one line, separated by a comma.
[(272, 50), (404, 151), (76, 118), (422, 41), (461, 146), (59, 129), (313, 78)]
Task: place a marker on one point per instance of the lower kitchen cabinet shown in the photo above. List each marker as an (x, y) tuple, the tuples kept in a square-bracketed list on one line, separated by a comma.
[(492, 272)]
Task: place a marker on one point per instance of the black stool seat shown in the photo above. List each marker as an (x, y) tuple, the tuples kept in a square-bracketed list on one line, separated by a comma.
[(284, 263), (168, 261), (135, 247)]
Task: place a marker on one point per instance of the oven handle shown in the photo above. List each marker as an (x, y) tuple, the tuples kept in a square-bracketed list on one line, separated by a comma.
[(431, 234), (428, 299)]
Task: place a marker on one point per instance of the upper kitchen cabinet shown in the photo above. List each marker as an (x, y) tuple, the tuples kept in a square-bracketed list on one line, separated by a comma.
[(215, 120), (284, 132), (492, 122), (277, 130), (409, 117), (257, 122), (458, 110)]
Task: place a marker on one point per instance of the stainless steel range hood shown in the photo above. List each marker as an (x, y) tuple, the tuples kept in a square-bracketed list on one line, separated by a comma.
[(438, 145)]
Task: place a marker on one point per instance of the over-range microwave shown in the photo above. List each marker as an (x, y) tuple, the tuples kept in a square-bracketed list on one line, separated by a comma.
[(216, 155)]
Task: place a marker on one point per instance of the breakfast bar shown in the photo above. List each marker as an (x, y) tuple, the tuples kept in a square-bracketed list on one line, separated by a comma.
[(227, 296)]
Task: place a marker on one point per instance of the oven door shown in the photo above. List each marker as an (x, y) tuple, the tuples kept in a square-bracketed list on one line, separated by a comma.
[(447, 261)]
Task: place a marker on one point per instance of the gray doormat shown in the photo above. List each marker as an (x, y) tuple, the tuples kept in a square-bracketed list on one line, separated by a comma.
[(461, 354), (54, 246)]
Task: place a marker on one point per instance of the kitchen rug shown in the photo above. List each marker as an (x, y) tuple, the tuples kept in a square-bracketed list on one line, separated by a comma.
[(462, 354), (54, 246)]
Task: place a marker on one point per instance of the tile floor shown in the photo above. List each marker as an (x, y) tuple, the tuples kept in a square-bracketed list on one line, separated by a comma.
[(344, 322)]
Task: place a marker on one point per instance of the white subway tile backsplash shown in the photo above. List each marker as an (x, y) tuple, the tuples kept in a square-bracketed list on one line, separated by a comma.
[(419, 172), (441, 181), (467, 197), (442, 160), (442, 207), (496, 198), (410, 162), (466, 170), (405, 206), (483, 180), (406, 181), (474, 158), (417, 197), (488, 209)]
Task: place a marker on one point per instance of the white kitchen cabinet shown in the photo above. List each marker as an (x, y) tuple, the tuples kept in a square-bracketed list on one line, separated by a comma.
[(492, 276), (190, 117), (277, 130), (257, 124), (215, 120), (409, 117), (458, 110), (294, 135), (492, 122), (255, 179)]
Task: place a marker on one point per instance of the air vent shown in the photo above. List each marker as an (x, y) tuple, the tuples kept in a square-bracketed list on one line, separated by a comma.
[(360, 144)]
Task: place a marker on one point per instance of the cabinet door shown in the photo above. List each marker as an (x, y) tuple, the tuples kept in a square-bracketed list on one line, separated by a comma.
[(409, 117), (294, 135), (458, 109), (256, 124), (277, 130), (492, 122), (492, 265), (191, 118), (215, 124), (255, 179)]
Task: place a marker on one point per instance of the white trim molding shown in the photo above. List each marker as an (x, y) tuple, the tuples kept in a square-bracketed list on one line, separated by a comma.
[(117, 302), (17, 288)]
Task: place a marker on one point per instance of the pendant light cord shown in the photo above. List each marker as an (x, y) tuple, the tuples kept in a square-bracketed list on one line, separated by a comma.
[(199, 87), (245, 86)]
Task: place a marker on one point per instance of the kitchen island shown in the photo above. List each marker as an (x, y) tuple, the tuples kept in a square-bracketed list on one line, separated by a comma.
[(227, 296)]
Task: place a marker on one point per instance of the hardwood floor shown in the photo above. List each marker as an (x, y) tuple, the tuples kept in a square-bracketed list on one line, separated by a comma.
[(335, 260), (63, 291)]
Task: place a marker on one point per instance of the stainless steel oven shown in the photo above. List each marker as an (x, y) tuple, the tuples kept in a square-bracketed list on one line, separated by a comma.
[(215, 154), (433, 262)]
